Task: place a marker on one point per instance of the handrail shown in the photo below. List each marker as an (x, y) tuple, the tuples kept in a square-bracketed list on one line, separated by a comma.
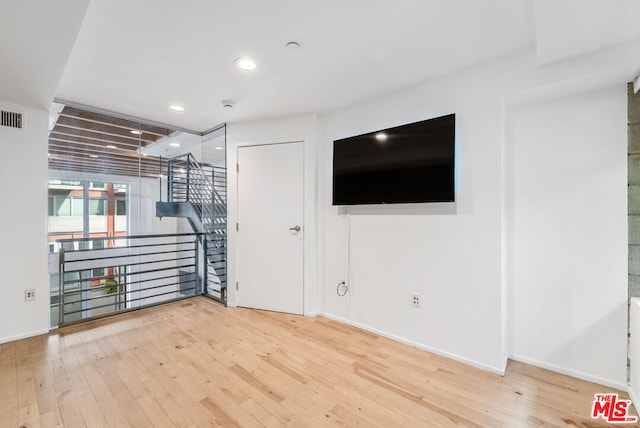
[(188, 181), (145, 270), (104, 238), (196, 185), (190, 159)]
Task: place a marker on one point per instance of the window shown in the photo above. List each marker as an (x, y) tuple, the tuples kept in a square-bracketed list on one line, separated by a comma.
[(60, 205), (77, 207), (97, 206), (85, 209), (121, 207)]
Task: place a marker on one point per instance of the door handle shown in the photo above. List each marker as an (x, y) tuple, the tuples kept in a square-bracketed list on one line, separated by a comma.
[(297, 228)]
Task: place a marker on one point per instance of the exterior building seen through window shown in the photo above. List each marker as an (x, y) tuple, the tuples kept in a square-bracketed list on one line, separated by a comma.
[(86, 209)]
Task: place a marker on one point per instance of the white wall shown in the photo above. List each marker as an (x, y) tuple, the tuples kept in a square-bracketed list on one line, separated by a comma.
[(450, 256), (270, 131), (23, 225), (459, 262), (568, 236)]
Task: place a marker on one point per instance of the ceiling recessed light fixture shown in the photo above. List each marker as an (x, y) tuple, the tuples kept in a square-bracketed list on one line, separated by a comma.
[(381, 136), (174, 144), (136, 132), (176, 108), (246, 64), (227, 104), (292, 46)]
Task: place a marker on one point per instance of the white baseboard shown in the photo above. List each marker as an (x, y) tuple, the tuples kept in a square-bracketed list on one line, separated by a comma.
[(634, 398), (23, 336), (572, 373), (496, 370)]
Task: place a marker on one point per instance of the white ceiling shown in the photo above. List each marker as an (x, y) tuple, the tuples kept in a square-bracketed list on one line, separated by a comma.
[(36, 38), (569, 28), (137, 57)]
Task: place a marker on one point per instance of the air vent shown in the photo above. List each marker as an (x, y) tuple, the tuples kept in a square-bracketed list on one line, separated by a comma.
[(10, 119)]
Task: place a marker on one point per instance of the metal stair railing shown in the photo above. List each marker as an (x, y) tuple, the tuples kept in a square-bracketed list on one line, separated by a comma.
[(190, 182)]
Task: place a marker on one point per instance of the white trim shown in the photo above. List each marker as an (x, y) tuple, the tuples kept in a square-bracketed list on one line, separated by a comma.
[(417, 345), (572, 373), (307, 274), (633, 397), (273, 131), (23, 336)]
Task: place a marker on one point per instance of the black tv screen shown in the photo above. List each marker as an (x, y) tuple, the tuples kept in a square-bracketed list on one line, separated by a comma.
[(412, 163)]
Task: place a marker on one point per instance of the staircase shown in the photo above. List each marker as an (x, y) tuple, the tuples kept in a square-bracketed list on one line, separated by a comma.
[(198, 193)]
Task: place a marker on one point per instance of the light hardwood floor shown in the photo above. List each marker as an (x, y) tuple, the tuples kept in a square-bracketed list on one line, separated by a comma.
[(196, 364)]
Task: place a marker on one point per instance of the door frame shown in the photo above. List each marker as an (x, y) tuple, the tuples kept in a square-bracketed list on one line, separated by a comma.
[(297, 288), (309, 270)]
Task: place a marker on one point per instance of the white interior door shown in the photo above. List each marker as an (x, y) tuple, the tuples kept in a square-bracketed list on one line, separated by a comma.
[(270, 234)]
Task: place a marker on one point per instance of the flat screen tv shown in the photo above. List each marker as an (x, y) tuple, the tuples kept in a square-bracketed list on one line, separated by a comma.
[(411, 163)]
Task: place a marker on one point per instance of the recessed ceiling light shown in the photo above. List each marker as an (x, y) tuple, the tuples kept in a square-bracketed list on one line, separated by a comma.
[(176, 108), (174, 144), (246, 64), (94, 156), (136, 132), (219, 148), (292, 46), (227, 104), (381, 136), (110, 146)]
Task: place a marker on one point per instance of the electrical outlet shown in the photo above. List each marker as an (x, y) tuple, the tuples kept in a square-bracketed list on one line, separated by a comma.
[(30, 295), (415, 300)]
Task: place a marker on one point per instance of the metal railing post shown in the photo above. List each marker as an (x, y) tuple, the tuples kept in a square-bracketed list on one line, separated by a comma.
[(160, 177), (170, 181), (196, 249), (61, 286), (188, 173), (205, 267)]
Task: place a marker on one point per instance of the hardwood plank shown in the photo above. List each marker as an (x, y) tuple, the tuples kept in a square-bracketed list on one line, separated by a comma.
[(27, 394), (90, 409), (106, 401), (154, 412)]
